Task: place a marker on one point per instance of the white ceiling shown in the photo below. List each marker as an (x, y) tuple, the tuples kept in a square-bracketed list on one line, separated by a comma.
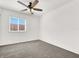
[(46, 5)]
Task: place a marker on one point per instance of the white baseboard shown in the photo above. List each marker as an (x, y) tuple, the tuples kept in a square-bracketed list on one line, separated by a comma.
[(5, 44)]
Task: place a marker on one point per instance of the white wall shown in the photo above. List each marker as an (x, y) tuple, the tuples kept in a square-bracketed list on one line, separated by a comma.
[(32, 33), (0, 26), (0, 29), (60, 27)]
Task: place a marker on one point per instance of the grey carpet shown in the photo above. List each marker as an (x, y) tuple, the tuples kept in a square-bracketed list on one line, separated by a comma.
[(35, 49)]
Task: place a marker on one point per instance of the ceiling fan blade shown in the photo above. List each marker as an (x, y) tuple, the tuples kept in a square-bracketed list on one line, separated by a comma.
[(35, 3), (22, 3), (24, 10), (37, 9)]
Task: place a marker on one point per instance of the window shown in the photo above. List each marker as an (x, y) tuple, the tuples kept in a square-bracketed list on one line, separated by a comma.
[(17, 24)]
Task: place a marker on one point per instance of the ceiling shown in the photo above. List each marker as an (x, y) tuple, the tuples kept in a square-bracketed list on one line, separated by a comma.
[(46, 5)]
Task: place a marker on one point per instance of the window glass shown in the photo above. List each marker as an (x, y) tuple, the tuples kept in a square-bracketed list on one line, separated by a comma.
[(13, 24), (21, 24), (14, 20), (22, 21)]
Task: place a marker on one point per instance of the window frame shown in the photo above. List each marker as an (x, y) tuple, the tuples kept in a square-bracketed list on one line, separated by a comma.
[(18, 18)]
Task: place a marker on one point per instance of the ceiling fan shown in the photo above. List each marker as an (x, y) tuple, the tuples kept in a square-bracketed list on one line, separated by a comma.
[(31, 6)]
